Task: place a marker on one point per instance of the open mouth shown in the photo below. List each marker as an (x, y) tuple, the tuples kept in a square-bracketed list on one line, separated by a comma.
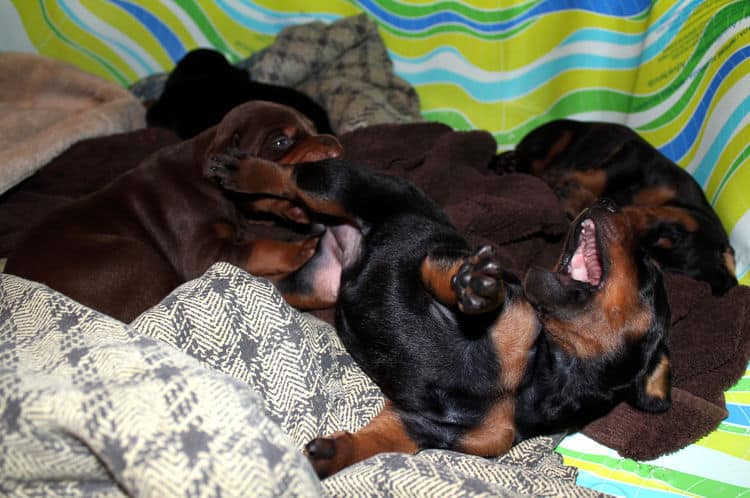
[(585, 265)]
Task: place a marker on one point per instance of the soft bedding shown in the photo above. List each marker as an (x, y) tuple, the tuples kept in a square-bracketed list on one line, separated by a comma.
[(676, 71), (710, 335), (210, 393)]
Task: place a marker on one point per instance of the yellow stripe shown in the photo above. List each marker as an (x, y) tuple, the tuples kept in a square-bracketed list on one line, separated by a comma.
[(729, 443)]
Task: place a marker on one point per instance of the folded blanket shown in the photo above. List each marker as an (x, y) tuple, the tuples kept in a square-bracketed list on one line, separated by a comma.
[(47, 105), (343, 66), (211, 393)]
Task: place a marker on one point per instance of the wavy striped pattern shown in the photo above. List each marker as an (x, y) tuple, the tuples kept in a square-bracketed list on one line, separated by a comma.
[(678, 71)]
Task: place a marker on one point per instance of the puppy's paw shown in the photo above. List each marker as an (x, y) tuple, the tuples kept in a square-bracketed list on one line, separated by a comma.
[(221, 167), (478, 283), (330, 454)]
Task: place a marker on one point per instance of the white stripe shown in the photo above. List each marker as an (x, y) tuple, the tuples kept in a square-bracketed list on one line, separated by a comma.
[(187, 22), (13, 37), (740, 240)]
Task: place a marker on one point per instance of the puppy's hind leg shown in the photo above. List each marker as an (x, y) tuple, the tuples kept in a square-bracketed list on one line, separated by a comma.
[(385, 433)]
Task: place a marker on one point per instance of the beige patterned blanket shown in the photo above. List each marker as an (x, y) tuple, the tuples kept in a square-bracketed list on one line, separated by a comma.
[(211, 393)]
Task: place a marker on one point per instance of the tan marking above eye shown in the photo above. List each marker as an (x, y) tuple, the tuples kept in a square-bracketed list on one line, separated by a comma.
[(594, 180), (654, 196), (730, 262)]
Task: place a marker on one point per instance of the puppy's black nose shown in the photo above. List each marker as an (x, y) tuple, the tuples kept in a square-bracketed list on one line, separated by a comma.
[(608, 204)]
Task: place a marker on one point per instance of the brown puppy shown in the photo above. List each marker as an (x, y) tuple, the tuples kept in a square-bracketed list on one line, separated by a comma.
[(124, 248), (469, 358), (585, 161)]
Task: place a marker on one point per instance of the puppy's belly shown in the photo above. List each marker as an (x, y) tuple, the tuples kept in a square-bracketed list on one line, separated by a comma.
[(340, 246)]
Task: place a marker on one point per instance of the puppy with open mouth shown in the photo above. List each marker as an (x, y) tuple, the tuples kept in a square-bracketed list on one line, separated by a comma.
[(468, 356)]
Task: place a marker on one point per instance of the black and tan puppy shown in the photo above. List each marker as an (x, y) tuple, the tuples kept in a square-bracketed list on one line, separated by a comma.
[(123, 248), (586, 161), (463, 357)]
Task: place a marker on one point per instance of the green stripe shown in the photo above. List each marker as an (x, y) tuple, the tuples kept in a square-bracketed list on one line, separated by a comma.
[(456, 28), (727, 175), (206, 27), (698, 485), (718, 24), (676, 109), (121, 79), (476, 15), (744, 431), (743, 385)]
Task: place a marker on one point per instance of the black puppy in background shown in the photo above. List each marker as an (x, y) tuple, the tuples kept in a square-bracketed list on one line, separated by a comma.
[(584, 161), (204, 86)]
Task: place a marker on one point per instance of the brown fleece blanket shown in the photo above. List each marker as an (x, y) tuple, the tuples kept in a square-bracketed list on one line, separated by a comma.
[(519, 213), (47, 105)]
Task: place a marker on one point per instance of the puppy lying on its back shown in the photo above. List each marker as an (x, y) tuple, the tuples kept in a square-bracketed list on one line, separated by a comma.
[(465, 359), (125, 247), (584, 161)]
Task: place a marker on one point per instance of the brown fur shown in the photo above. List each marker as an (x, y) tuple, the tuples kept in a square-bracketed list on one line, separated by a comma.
[(124, 248)]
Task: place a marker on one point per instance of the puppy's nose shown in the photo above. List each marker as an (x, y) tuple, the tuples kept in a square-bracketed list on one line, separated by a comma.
[(331, 146), (608, 204)]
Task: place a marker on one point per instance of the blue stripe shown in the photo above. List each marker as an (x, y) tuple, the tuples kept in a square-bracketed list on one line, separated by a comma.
[(495, 91), (148, 68), (738, 415), (279, 20), (729, 129), (167, 39), (615, 9), (649, 52), (679, 145)]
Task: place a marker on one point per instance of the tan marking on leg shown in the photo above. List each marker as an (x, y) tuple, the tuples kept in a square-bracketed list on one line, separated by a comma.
[(495, 435), (436, 276), (384, 433)]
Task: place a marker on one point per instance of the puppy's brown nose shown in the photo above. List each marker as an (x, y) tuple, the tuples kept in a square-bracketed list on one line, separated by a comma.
[(315, 148), (330, 147)]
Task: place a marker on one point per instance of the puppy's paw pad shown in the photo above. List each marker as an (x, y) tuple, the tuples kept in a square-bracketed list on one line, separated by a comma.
[(478, 283)]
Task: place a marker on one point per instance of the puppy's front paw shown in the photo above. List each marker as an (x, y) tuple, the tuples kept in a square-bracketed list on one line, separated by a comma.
[(478, 283), (222, 168)]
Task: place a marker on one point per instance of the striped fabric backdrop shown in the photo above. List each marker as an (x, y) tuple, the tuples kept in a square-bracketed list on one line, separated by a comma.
[(678, 71)]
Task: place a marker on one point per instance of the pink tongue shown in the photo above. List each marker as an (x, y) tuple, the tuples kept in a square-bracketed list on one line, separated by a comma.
[(578, 269), (584, 265)]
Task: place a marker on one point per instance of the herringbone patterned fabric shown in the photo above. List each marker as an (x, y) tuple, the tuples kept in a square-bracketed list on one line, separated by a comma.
[(211, 393)]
